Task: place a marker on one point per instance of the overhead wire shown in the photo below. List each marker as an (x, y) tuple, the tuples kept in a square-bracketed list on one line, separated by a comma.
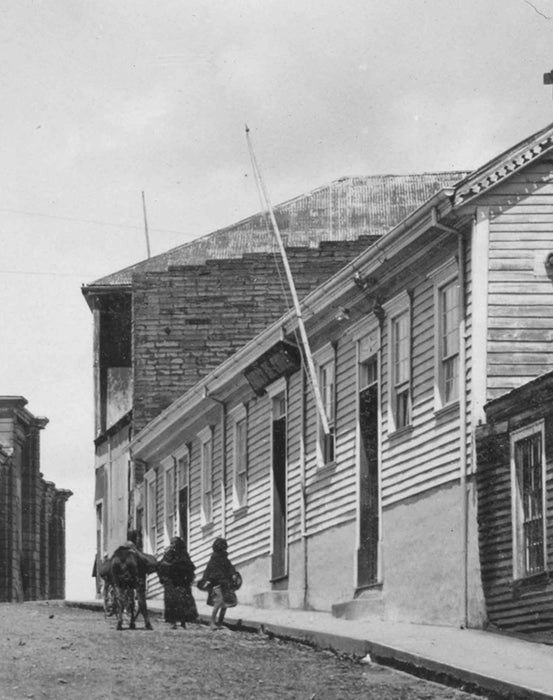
[(90, 221)]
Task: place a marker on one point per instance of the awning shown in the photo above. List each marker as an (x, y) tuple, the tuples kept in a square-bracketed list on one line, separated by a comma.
[(279, 361)]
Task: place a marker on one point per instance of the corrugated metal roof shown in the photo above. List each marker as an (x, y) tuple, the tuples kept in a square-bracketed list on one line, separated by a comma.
[(343, 210)]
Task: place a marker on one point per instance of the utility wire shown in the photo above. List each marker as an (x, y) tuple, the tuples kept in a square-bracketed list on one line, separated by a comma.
[(51, 274), (90, 221)]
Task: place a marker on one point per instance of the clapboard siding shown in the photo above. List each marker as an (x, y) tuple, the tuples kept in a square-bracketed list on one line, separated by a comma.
[(250, 531), (520, 292), (427, 454)]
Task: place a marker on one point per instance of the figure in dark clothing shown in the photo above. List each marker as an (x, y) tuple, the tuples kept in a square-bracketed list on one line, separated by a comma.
[(220, 580), (176, 573)]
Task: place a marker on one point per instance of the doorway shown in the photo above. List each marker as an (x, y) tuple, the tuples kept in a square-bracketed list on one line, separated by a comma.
[(369, 507), (278, 564)]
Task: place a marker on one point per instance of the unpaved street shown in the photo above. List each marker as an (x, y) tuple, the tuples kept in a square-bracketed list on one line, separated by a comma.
[(50, 651)]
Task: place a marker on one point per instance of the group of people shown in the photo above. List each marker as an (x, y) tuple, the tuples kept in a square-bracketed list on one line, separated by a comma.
[(176, 573)]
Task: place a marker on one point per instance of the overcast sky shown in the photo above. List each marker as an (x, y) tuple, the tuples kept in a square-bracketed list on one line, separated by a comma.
[(104, 99)]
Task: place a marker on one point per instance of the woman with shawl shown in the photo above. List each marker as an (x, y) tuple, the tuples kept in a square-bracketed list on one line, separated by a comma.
[(176, 573), (220, 580)]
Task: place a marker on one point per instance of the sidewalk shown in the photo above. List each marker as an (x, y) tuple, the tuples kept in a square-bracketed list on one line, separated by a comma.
[(499, 665)]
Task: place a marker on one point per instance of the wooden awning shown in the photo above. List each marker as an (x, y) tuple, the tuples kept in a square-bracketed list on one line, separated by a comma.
[(279, 361)]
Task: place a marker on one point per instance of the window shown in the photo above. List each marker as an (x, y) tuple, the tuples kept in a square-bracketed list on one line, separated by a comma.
[(170, 514), (183, 463), (528, 494), (401, 369), (447, 316), (150, 492), (207, 475), (327, 371), (448, 324), (240, 456)]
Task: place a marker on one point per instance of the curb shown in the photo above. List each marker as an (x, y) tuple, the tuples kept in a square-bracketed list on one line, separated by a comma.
[(409, 662)]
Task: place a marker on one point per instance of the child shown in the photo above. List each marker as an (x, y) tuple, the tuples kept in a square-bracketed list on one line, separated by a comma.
[(220, 580)]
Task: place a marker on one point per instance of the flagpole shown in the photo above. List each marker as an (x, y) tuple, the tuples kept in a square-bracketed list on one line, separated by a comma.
[(297, 307), (146, 224)]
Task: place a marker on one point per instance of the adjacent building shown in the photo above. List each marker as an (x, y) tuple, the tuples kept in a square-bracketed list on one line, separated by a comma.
[(515, 506), (32, 511), (443, 315)]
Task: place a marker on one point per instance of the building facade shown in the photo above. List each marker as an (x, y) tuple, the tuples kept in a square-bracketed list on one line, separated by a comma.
[(165, 323), (450, 309), (32, 511), (515, 505)]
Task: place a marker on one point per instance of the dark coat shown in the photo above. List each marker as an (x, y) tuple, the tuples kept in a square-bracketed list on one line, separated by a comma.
[(176, 567)]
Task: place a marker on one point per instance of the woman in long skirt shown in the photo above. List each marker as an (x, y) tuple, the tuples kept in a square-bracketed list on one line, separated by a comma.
[(176, 573)]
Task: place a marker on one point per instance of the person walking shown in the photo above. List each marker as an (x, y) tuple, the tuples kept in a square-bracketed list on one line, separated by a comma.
[(176, 573), (220, 580)]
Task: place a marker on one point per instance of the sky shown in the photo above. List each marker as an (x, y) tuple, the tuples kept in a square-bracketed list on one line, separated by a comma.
[(103, 100)]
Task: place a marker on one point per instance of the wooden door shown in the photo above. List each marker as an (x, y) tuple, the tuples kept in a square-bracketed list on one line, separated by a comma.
[(369, 520), (279, 499)]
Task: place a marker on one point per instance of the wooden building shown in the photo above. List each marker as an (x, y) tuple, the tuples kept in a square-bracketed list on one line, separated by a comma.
[(163, 324), (453, 307), (32, 511), (515, 507)]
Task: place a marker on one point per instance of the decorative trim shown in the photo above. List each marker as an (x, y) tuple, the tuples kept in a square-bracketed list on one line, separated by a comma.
[(499, 171)]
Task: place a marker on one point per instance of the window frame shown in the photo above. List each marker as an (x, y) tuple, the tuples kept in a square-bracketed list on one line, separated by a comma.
[(181, 460), (400, 305), (150, 507), (239, 418), (442, 278), (325, 359), (519, 550), (205, 437), (169, 510)]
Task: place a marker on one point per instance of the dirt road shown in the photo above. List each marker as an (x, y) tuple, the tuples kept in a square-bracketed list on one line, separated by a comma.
[(55, 652)]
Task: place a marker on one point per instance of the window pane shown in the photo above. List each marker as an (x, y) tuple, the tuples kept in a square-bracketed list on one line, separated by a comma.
[(207, 480), (451, 379), (328, 393), (240, 462), (402, 408), (400, 332), (368, 372), (450, 320), (528, 463)]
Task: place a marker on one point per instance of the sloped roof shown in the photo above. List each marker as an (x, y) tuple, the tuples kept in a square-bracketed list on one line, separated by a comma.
[(343, 210), (505, 164)]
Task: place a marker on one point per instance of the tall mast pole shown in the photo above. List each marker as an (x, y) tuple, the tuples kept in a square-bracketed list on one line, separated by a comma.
[(146, 224), (297, 307)]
